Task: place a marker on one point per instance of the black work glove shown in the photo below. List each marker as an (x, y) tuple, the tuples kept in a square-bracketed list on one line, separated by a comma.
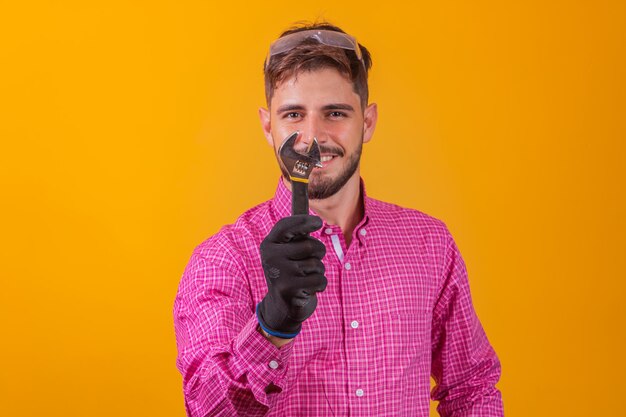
[(292, 262)]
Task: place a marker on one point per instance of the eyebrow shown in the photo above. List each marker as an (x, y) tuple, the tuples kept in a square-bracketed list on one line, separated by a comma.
[(289, 107), (333, 106), (338, 106)]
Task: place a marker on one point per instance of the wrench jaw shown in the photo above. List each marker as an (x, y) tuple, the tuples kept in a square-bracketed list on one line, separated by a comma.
[(299, 166)]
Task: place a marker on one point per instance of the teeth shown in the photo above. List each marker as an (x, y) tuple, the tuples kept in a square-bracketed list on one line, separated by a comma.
[(327, 158)]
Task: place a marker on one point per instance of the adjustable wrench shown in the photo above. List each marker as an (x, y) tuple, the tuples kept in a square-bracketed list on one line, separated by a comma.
[(299, 166)]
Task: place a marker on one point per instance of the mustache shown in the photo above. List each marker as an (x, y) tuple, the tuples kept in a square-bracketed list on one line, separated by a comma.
[(324, 149)]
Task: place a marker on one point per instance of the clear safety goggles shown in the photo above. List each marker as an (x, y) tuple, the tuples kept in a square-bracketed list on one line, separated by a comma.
[(326, 37)]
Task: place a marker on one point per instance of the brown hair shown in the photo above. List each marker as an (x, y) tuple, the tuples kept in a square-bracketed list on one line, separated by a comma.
[(310, 55)]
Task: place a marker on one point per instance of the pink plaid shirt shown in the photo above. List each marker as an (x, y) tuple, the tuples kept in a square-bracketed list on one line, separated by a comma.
[(397, 309)]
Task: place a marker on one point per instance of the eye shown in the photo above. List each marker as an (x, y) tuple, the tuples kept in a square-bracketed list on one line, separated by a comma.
[(337, 114), (292, 115)]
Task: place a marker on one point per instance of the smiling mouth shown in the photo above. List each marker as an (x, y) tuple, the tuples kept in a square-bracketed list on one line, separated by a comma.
[(327, 158)]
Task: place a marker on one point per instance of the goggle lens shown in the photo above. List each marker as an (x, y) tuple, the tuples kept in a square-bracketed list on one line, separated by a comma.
[(326, 37)]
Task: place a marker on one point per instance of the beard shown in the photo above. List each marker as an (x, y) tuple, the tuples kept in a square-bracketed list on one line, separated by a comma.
[(322, 186)]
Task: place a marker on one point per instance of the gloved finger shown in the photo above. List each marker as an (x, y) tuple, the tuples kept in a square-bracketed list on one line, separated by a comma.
[(308, 247), (311, 284), (304, 306), (288, 228), (311, 266)]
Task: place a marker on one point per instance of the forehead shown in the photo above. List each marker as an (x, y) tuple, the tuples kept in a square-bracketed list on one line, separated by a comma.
[(316, 87)]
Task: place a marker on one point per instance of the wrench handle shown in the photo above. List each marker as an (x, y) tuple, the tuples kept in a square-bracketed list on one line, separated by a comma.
[(299, 197)]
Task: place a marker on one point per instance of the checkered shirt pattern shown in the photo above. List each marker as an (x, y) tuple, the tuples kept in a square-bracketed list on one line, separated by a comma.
[(397, 309)]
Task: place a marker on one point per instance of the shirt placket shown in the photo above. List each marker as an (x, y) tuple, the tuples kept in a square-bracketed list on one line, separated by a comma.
[(354, 321)]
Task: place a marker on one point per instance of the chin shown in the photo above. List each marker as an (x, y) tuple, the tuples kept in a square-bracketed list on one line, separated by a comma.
[(322, 188)]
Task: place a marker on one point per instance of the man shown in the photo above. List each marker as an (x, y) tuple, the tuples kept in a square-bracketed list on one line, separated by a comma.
[(348, 310)]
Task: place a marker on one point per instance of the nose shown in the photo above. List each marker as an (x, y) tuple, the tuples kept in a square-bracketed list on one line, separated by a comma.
[(312, 128)]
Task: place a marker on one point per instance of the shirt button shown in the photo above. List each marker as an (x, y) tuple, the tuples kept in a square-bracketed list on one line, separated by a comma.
[(273, 364), (328, 231), (363, 232), (354, 324), (359, 392), (347, 266)]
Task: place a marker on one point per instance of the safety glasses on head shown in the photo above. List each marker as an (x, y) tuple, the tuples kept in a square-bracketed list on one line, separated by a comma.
[(326, 37)]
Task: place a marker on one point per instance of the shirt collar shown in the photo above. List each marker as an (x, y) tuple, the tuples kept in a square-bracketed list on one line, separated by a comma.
[(281, 206)]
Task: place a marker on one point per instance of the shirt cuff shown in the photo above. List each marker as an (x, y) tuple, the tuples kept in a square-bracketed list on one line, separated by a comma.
[(265, 365)]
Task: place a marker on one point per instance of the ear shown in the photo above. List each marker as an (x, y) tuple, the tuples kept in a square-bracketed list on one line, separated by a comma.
[(264, 115), (370, 116)]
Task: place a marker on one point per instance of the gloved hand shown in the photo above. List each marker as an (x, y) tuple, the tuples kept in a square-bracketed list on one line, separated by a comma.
[(294, 272)]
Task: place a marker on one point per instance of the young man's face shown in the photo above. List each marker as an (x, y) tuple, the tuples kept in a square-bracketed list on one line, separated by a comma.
[(321, 104)]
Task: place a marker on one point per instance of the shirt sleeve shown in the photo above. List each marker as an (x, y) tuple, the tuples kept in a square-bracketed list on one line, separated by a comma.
[(465, 367), (228, 367)]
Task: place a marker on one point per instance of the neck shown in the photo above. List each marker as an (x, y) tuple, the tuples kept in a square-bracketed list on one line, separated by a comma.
[(344, 209)]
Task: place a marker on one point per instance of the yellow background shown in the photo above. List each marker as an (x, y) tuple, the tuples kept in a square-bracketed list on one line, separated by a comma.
[(129, 134)]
